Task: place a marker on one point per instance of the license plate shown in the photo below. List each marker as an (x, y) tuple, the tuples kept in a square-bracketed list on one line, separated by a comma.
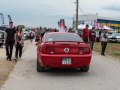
[(66, 61)]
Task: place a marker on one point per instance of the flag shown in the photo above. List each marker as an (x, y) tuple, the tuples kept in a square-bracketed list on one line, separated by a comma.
[(62, 21), (61, 26), (95, 24), (101, 26), (2, 18), (9, 18)]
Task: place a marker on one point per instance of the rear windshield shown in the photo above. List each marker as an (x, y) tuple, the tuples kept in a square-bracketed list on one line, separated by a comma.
[(63, 37)]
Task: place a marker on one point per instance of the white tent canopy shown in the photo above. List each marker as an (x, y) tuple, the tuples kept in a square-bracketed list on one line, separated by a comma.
[(107, 28), (82, 26)]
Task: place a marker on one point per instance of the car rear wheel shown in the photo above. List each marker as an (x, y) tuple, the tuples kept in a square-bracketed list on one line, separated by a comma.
[(39, 68), (84, 69)]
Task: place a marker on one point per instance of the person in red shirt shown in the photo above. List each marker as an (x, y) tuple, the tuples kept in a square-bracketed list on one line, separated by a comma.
[(52, 30), (92, 37), (85, 34)]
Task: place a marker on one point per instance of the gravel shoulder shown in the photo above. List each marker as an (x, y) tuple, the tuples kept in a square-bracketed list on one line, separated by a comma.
[(6, 66)]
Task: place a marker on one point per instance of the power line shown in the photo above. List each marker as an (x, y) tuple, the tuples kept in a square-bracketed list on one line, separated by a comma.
[(83, 12), (66, 4)]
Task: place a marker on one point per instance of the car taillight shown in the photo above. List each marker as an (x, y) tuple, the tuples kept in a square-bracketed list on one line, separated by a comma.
[(48, 49), (84, 50)]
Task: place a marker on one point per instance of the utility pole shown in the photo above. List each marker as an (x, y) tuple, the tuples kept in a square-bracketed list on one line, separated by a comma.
[(77, 2)]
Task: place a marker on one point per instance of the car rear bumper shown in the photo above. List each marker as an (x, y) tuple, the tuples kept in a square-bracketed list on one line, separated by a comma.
[(56, 61)]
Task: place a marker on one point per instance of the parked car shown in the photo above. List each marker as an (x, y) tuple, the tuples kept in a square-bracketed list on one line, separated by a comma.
[(26, 34), (115, 37), (1, 38), (2, 30), (63, 50)]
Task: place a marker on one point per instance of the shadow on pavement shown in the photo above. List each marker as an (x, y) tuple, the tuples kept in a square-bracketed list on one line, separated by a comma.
[(65, 72)]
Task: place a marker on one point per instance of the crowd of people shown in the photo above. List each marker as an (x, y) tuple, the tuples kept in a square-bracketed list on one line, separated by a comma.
[(15, 36), (89, 36)]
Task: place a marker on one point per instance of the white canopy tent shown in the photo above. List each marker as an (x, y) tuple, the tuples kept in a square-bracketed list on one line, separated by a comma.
[(82, 26), (107, 28)]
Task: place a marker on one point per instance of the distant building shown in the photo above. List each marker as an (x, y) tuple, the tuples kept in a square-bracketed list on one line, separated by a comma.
[(97, 21)]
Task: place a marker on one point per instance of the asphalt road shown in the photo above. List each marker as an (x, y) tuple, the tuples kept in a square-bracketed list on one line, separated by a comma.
[(104, 74)]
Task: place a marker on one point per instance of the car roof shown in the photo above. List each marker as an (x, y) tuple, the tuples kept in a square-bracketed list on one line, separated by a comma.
[(61, 33)]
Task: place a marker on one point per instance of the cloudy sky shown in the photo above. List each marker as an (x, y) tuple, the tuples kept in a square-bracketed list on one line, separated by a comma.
[(48, 12)]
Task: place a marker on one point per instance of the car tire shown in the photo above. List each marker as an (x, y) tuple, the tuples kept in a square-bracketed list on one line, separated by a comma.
[(84, 69), (39, 68)]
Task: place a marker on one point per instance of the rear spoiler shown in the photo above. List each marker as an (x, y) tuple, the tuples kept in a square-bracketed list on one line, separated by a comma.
[(64, 41)]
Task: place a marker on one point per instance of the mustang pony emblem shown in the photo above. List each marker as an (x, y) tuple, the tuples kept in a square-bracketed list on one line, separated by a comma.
[(66, 50)]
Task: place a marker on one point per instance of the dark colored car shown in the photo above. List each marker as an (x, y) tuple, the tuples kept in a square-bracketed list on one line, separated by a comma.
[(2, 30)]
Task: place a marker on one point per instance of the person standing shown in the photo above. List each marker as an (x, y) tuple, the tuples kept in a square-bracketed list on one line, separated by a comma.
[(70, 30), (104, 40), (20, 42), (32, 34), (42, 32), (9, 40), (92, 37), (37, 34), (66, 29), (85, 34)]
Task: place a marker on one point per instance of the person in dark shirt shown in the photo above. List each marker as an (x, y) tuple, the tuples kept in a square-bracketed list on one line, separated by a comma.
[(9, 41), (70, 30), (42, 32), (85, 34), (92, 36)]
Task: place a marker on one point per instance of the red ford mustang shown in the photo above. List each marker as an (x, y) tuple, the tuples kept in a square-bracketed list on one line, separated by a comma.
[(63, 50)]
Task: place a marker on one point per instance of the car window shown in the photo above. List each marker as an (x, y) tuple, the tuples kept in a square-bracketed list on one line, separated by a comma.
[(63, 37), (116, 34), (2, 28)]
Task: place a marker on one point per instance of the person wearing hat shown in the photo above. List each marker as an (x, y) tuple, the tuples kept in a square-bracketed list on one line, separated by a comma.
[(19, 42), (104, 41)]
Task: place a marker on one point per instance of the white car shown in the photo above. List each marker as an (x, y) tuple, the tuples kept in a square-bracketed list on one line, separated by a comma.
[(115, 37), (26, 34)]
